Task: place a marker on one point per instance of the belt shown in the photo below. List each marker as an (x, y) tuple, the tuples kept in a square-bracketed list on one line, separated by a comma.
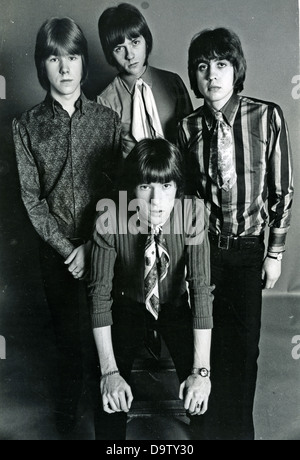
[(235, 242)]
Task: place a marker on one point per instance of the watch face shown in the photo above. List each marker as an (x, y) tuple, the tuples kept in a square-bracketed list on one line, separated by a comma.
[(279, 257), (204, 372)]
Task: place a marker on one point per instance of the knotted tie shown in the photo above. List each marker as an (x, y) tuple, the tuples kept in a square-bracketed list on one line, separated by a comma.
[(221, 165), (157, 262), (145, 118)]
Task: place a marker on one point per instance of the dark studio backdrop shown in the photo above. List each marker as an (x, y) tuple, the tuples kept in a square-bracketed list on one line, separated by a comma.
[(269, 30)]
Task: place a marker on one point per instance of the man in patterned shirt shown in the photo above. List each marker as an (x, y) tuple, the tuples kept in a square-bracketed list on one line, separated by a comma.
[(66, 149), (239, 161)]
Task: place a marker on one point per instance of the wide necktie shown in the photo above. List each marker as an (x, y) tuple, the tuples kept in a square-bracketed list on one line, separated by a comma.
[(157, 261), (221, 164), (145, 118)]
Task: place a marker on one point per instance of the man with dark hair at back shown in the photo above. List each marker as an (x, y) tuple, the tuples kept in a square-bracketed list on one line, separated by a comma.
[(239, 161), (149, 101)]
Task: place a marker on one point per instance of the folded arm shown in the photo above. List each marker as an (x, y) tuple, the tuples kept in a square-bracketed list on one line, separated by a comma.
[(37, 208)]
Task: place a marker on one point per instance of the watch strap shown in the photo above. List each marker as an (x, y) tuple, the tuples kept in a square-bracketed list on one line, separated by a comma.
[(275, 257), (202, 371)]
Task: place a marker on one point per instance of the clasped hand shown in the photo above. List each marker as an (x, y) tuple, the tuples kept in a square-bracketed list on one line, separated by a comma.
[(195, 392), (116, 394), (78, 261)]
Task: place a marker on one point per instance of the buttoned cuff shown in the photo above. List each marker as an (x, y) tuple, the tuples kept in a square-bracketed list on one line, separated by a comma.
[(67, 250), (64, 247), (277, 239)]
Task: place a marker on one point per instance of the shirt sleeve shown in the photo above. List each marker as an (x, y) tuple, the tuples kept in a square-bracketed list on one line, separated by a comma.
[(280, 181), (181, 137), (184, 104), (191, 169), (101, 278), (38, 210), (113, 165), (198, 265)]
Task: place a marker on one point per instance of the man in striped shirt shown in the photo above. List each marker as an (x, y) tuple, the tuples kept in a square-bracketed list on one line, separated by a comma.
[(259, 192)]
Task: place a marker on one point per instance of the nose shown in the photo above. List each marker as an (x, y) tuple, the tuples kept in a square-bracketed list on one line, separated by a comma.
[(156, 196), (212, 72), (129, 53), (64, 66)]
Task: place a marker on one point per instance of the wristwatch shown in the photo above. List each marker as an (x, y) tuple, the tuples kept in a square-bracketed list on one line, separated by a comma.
[(201, 371), (277, 256)]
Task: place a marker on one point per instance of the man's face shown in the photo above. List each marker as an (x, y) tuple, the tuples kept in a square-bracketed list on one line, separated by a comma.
[(64, 74), (215, 81), (131, 56), (158, 201)]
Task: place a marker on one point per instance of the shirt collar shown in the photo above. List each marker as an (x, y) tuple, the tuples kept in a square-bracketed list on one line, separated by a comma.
[(129, 81), (80, 104), (229, 111)]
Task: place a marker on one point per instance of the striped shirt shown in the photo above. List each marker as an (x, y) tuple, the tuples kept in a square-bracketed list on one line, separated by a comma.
[(118, 265), (263, 193)]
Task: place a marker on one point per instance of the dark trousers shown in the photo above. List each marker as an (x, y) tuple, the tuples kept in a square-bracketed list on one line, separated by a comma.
[(64, 296), (235, 344), (128, 331)]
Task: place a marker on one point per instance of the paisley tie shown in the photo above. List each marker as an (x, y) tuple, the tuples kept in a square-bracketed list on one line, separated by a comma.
[(157, 262), (221, 165)]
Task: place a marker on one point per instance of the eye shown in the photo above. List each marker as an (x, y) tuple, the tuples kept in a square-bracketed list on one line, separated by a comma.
[(136, 42), (118, 49), (144, 187), (53, 59), (202, 67), (222, 64), (74, 58), (167, 186)]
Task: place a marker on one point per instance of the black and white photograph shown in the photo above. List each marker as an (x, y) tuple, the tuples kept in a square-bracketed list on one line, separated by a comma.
[(149, 222)]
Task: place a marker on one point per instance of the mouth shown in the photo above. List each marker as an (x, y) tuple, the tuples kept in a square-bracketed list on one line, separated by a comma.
[(66, 81), (214, 88), (156, 213), (132, 66)]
